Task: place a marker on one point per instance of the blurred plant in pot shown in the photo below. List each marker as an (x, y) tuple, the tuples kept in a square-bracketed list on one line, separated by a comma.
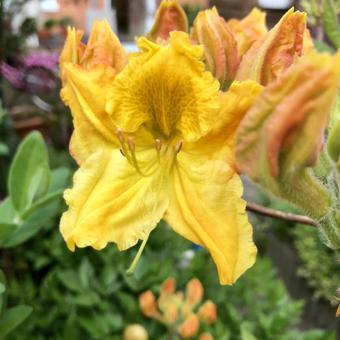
[(13, 44), (181, 314)]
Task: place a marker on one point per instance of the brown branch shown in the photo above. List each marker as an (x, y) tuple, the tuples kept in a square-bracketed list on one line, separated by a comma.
[(259, 209)]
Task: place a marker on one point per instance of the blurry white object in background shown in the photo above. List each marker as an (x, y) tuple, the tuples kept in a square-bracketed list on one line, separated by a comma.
[(276, 4), (150, 13), (99, 10), (49, 6), (130, 47)]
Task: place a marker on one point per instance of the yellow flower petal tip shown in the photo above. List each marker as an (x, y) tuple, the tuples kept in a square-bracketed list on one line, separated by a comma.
[(220, 47), (103, 48), (271, 55), (169, 17)]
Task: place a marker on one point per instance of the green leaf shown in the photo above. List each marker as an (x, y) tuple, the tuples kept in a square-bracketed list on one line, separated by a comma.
[(43, 203), (2, 288), (3, 295), (59, 179), (331, 22), (12, 318), (6, 230), (70, 280), (7, 212), (29, 174)]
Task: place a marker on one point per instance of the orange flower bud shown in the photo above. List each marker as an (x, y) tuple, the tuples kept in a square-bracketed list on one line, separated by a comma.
[(338, 312), (194, 292), (189, 327), (276, 51), (147, 304), (208, 312), (248, 30), (168, 286), (170, 16), (206, 336), (220, 47)]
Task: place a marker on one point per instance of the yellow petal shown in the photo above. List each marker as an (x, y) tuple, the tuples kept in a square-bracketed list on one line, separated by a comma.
[(206, 208), (111, 202), (85, 93), (166, 88), (219, 142), (103, 48), (249, 29)]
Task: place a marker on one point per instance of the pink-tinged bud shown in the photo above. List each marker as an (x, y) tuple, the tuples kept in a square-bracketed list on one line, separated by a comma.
[(248, 30), (170, 16), (194, 292), (283, 133), (168, 286), (147, 304), (219, 43), (205, 336), (208, 312), (189, 327), (275, 52)]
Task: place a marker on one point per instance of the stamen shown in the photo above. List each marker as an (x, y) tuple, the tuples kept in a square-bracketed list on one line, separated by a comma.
[(123, 150), (179, 146), (120, 135), (134, 161), (158, 144), (138, 256), (158, 147)]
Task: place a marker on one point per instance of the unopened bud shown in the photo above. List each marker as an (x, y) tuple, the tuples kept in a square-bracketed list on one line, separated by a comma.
[(275, 52), (194, 292), (170, 16), (189, 327), (219, 43), (208, 312)]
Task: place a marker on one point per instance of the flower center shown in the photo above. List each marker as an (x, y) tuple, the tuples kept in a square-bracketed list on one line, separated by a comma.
[(166, 153)]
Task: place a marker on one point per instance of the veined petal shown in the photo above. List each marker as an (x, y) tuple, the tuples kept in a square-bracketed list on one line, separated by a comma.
[(111, 202), (219, 142), (85, 94), (167, 88), (206, 208)]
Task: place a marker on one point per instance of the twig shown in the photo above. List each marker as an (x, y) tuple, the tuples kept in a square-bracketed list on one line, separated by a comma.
[(259, 209)]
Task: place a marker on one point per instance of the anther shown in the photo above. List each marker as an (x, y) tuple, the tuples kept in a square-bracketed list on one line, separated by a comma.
[(179, 146), (122, 152), (120, 135), (158, 144)]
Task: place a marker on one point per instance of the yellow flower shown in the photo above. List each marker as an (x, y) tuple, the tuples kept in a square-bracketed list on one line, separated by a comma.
[(162, 147)]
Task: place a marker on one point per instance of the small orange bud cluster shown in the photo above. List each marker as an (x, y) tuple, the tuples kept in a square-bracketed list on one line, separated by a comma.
[(180, 312)]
